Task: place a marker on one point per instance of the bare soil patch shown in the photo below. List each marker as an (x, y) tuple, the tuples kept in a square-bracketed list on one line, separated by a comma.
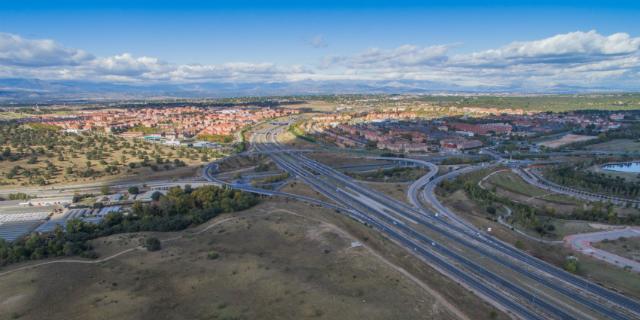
[(565, 140)]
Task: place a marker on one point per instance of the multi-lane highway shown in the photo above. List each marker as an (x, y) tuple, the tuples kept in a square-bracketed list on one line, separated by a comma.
[(506, 277), (593, 289), (536, 179)]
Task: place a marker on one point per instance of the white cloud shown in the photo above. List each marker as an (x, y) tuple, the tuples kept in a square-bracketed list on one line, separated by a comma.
[(573, 47), (406, 55), (17, 51), (127, 65), (574, 59), (235, 72)]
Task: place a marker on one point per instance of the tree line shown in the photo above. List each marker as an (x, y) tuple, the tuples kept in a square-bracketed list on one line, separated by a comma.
[(177, 210), (577, 176), (532, 217)]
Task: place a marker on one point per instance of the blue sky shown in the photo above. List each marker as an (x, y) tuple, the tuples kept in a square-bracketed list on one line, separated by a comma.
[(305, 35)]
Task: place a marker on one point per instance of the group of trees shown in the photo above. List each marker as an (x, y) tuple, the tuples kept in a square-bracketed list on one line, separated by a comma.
[(465, 160), (271, 179), (396, 174), (47, 154), (16, 196), (219, 138), (299, 133), (523, 215), (537, 219), (631, 131), (579, 177), (177, 210), (606, 213)]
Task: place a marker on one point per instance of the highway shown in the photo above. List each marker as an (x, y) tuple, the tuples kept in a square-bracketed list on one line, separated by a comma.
[(580, 284), (396, 230), (579, 299), (536, 179), (510, 279)]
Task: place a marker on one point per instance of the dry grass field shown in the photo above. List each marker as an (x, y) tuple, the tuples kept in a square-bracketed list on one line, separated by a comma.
[(97, 158), (278, 260), (625, 247), (397, 191)]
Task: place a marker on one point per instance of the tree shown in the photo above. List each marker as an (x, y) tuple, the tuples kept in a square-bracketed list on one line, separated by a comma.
[(105, 190), (133, 190), (175, 211), (156, 196), (571, 264), (152, 244)]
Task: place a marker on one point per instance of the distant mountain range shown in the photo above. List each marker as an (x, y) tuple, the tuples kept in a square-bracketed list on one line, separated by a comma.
[(34, 90)]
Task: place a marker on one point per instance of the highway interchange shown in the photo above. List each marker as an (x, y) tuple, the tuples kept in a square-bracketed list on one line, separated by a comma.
[(510, 279)]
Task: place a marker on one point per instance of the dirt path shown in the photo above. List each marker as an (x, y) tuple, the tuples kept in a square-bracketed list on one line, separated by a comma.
[(113, 256), (436, 295)]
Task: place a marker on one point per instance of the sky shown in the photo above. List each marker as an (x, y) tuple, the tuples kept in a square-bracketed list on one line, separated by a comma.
[(500, 44)]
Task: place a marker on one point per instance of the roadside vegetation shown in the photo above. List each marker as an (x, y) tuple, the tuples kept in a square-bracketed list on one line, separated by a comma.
[(576, 175), (299, 133), (464, 160), (542, 220), (177, 210), (523, 215), (390, 175), (271, 179)]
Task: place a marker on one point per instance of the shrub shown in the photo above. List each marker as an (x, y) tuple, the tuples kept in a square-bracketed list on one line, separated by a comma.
[(152, 244)]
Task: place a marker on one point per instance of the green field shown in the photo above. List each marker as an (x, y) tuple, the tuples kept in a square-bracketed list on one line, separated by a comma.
[(511, 182), (620, 145), (556, 103)]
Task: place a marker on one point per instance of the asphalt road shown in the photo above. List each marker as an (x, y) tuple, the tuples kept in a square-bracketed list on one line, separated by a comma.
[(613, 300), (395, 219), (469, 256), (582, 243)]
